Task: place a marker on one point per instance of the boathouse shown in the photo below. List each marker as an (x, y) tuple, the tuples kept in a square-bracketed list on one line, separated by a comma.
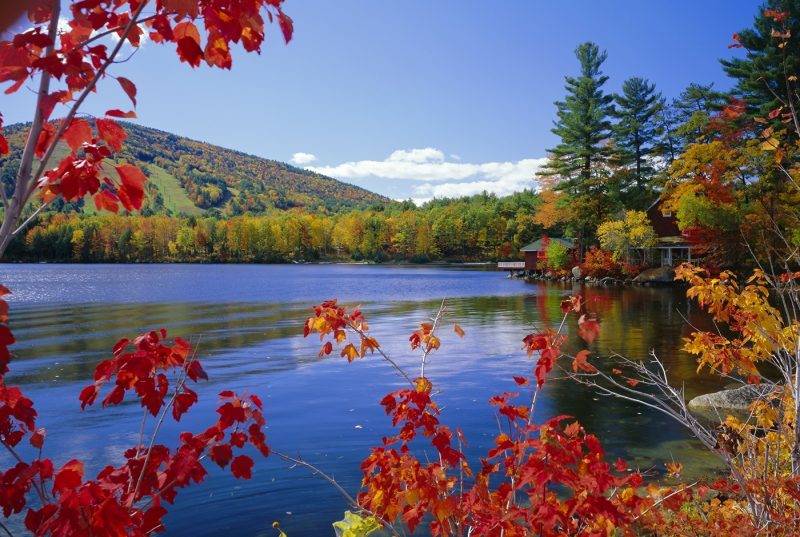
[(671, 248)]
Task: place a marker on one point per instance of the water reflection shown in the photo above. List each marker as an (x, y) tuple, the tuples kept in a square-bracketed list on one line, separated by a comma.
[(249, 336)]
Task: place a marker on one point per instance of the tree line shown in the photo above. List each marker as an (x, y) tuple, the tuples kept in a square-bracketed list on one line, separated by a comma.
[(481, 227)]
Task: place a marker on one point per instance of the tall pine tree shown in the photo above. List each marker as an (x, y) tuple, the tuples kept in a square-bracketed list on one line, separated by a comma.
[(580, 162), (636, 135), (694, 108), (762, 74), (583, 125)]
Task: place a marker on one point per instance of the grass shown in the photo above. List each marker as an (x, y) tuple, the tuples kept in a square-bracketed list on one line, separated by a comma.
[(175, 198)]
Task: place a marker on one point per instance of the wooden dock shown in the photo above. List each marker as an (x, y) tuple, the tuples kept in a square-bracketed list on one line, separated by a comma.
[(511, 265)]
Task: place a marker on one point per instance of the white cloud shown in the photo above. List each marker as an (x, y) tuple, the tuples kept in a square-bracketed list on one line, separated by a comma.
[(417, 156), (429, 164), (438, 177), (506, 178), (301, 159)]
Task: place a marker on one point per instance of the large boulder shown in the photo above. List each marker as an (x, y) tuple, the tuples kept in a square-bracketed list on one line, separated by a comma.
[(576, 272), (736, 399), (659, 276)]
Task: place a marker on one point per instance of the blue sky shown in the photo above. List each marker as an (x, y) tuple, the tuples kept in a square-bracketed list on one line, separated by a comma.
[(420, 97)]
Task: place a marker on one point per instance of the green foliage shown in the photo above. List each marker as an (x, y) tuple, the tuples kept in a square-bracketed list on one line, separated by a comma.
[(583, 123), (636, 135), (693, 110), (694, 211), (760, 75), (556, 256)]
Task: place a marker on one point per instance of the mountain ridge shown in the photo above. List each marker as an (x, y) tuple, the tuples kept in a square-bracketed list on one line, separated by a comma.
[(196, 178)]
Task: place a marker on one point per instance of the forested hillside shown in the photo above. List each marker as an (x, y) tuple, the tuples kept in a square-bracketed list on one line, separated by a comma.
[(187, 177)]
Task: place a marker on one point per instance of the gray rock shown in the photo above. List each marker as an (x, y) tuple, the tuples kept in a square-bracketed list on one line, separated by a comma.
[(660, 275), (576, 272), (737, 399)]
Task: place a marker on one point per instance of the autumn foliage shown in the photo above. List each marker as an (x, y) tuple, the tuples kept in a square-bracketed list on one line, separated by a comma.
[(130, 498), (548, 479), (70, 55), (70, 63)]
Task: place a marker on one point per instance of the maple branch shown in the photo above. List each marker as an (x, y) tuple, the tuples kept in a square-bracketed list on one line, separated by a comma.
[(428, 348), (84, 94), (668, 496), (672, 404), (165, 487), (140, 441), (5, 529), (385, 356), (181, 381), (39, 491), (535, 396), (116, 29), (19, 198)]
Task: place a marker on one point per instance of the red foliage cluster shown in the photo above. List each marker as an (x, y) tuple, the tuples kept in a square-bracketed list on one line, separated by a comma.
[(128, 499), (569, 487), (546, 480), (332, 319), (78, 59), (599, 263)]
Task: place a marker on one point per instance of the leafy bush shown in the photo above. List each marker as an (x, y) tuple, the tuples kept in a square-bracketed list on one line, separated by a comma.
[(556, 256), (599, 263)]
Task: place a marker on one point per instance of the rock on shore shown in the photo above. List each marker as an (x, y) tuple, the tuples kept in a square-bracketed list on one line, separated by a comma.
[(659, 276), (736, 399)]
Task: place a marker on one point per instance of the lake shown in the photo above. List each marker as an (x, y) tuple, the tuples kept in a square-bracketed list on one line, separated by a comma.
[(246, 322)]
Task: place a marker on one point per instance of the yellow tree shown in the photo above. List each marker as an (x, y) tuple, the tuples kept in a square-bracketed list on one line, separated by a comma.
[(623, 237)]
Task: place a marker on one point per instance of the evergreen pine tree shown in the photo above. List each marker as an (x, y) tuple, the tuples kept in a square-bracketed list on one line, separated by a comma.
[(636, 137), (583, 125), (693, 110), (762, 74)]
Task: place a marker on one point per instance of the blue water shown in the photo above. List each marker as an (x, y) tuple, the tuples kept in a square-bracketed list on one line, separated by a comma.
[(246, 322)]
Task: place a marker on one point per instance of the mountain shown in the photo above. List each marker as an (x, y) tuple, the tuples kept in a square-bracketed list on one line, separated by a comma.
[(193, 178)]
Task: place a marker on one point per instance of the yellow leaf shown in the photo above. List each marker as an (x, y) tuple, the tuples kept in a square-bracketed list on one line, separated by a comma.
[(769, 145), (423, 385), (354, 525), (350, 352)]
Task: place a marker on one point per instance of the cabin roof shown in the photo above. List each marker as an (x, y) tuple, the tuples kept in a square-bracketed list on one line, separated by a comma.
[(537, 245)]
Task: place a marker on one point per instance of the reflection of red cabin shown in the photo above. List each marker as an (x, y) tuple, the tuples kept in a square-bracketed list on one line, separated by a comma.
[(536, 250), (672, 246)]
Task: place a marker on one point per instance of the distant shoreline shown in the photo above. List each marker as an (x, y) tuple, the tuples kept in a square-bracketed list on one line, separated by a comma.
[(370, 263)]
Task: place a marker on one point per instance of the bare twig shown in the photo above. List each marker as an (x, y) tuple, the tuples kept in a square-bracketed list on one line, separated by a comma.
[(317, 472)]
